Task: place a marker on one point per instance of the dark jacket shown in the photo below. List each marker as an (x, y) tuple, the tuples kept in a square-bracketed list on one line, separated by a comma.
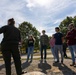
[(71, 37), (11, 35)]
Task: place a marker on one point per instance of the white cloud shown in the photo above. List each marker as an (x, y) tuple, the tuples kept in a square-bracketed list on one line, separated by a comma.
[(51, 4), (41, 3), (11, 9), (44, 14), (54, 7), (47, 11), (58, 21)]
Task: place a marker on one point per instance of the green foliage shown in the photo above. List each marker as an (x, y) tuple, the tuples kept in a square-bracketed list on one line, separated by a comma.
[(49, 41), (64, 24), (27, 29)]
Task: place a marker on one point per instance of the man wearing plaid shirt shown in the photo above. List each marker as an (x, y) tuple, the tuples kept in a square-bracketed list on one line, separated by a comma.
[(44, 43)]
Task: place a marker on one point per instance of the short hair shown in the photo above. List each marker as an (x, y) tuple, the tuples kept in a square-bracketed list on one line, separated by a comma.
[(11, 20), (43, 31), (71, 24), (57, 28)]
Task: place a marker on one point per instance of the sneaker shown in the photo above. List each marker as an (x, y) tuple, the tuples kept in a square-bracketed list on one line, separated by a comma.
[(30, 61), (56, 61), (61, 61), (45, 61), (23, 72), (72, 64), (65, 57)]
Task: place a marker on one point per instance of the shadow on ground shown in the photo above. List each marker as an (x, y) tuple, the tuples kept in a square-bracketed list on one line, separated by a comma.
[(25, 65), (44, 67), (3, 66), (65, 69)]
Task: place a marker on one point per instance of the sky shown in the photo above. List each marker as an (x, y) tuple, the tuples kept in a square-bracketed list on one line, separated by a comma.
[(43, 14)]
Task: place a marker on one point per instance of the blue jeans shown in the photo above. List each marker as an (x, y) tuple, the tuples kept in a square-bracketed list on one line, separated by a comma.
[(72, 50), (53, 52), (30, 52), (57, 49), (43, 47)]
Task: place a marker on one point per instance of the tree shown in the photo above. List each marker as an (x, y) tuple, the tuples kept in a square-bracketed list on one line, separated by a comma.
[(27, 29), (64, 24)]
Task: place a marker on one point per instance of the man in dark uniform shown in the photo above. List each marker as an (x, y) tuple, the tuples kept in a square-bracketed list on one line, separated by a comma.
[(9, 46)]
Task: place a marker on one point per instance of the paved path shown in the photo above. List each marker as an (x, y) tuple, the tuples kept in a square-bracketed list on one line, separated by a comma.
[(49, 68), (37, 55)]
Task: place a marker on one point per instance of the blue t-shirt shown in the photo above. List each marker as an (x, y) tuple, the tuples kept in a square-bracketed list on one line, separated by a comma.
[(58, 38)]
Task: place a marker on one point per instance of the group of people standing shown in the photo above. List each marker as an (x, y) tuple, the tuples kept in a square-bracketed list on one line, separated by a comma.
[(12, 37), (58, 43)]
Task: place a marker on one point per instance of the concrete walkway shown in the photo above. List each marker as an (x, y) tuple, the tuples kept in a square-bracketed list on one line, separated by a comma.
[(48, 68), (37, 55)]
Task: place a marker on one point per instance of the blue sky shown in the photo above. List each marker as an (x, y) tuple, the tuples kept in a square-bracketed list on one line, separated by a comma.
[(43, 14)]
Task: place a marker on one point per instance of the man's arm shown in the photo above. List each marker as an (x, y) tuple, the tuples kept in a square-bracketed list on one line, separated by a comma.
[(2, 29), (62, 38), (68, 36)]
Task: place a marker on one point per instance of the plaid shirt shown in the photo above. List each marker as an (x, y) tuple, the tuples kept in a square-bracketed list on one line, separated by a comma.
[(44, 40)]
